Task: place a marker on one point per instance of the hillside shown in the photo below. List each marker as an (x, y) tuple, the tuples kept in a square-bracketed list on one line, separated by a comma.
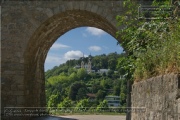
[(67, 82)]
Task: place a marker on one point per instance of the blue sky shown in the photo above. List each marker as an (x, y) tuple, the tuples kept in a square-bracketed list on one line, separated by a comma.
[(76, 42)]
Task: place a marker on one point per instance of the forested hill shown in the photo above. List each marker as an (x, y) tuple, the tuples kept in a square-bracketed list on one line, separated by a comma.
[(103, 61), (66, 84)]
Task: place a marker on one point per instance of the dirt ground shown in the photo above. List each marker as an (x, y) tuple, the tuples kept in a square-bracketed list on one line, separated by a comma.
[(83, 117), (97, 117)]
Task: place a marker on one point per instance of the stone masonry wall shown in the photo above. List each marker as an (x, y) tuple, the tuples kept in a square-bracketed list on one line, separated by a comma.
[(22, 83), (28, 30), (160, 96)]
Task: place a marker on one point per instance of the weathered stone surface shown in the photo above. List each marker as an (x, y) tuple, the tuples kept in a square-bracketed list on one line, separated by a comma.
[(20, 100), (159, 96), (29, 28), (21, 87), (18, 93)]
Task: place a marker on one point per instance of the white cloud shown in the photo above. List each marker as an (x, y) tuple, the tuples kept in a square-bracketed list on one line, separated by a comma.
[(59, 46), (95, 31), (94, 48), (53, 58), (73, 54)]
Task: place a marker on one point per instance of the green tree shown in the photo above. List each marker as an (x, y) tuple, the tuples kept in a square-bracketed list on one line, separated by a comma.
[(147, 42), (72, 70), (96, 87), (112, 64), (110, 73), (100, 94), (65, 103), (81, 94), (116, 90), (53, 101), (74, 89), (102, 106), (122, 98), (81, 74), (83, 105), (73, 77), (106, 83)]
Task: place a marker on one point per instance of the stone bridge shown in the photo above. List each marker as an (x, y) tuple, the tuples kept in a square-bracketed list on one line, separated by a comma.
[(29, 28)]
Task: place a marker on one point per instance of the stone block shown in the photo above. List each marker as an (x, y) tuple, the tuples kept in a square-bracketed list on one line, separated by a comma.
[(18, 92), (19, 79), (9, 72), (62, 8), (82, 5), (11, 99), (21, 87), (110, 18), (21, 60), (76, 5), (49, 12), (105, 13), (88, 7), (20, 100), (13, 87), (94, 8), (100, 10), (69, 5), (12, 26)]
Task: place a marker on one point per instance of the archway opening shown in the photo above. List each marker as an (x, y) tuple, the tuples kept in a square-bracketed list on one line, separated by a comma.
[(85, 59), (41, 41), (82, 40)]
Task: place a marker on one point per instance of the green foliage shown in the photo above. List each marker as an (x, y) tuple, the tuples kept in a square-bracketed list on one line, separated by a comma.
[(72, 70), (56, 71), (53, 101), (81, 94), (83, 104), (112, 63), (81, 74), (102, 106), (57, 79), (116, 90), (101, 95), (67, 82), (106, 83), (122, 97), (126, 67), (152, 46), (65, 103), (110, 73), (74, 90), (73, 77), (95, 87)]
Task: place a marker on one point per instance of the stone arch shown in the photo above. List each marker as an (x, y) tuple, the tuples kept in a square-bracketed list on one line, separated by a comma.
[(43, 38)]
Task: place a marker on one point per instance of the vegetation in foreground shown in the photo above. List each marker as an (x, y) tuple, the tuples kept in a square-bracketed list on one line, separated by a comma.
[(152, 45)]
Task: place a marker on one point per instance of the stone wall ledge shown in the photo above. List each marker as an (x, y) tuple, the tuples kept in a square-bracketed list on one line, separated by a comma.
[(159, 95)]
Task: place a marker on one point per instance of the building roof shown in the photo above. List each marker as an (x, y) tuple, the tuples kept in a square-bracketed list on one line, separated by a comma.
[(91, 95)]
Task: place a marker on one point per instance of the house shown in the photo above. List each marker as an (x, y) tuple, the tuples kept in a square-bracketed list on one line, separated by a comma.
[(91, 96), (101, 71), (113, 101)]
